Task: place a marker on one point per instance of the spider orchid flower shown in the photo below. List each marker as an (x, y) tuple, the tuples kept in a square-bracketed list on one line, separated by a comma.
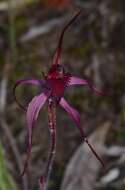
[(54, 85)]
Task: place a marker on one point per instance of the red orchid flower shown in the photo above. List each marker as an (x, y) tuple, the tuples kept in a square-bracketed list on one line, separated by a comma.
[(54, 85)]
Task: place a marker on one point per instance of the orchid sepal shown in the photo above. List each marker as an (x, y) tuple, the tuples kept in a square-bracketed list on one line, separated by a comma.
[(74, 114), (58, 52), (74, 81), (26, 81), (32, 112)]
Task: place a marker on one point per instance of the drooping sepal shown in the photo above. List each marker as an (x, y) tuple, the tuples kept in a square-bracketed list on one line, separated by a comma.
[(74, 81), (31, 116), (74, 114)]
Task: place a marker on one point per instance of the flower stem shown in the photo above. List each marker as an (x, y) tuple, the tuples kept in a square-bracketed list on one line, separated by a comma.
[(52, 129)]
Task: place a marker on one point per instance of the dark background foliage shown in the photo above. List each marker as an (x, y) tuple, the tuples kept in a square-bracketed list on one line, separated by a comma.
[(94, 48)]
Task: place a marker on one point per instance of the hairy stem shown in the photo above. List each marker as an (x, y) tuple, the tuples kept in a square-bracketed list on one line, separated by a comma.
[(52, 129)]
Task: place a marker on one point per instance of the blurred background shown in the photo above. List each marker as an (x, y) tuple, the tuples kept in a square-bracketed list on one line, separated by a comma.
[(94, 47)]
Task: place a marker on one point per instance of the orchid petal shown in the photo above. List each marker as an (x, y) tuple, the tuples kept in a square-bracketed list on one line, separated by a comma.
[(59, 47), (74, 114), (25, 81), (31, 116), (78, 81)]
